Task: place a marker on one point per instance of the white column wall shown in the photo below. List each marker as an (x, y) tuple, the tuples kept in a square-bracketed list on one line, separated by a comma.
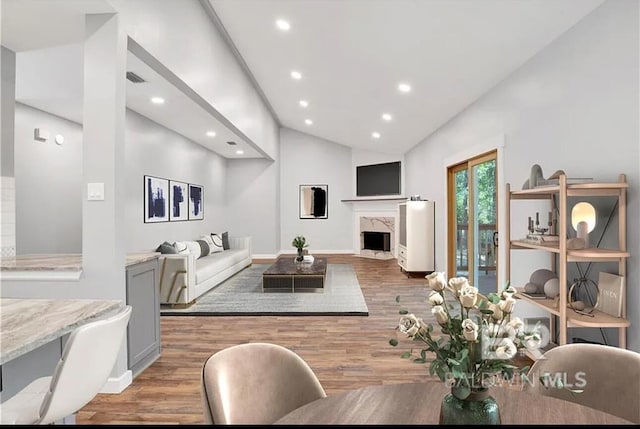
[(103, 232)]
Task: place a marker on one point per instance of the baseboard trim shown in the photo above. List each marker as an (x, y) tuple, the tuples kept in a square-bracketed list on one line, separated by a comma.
[(293, 252), (118, 384), (321, 252), (264, 255)]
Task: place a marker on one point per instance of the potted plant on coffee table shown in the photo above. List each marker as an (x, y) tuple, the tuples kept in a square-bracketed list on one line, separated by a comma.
[(299, 242)]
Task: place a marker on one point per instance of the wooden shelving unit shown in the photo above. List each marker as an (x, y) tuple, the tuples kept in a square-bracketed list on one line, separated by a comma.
[(566, 317)]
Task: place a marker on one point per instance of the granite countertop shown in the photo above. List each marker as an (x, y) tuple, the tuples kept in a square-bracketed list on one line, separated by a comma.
[(61, 262), (137, 258), (26, 324)]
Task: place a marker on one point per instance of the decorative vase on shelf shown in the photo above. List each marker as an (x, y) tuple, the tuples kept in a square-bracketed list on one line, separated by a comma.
[(300, 256), (479, 408)]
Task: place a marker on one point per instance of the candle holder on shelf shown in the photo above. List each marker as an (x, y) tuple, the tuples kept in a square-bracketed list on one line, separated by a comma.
[(540, 234)]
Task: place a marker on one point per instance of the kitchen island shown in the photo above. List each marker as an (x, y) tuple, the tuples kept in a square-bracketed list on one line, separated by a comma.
[(33, 333)]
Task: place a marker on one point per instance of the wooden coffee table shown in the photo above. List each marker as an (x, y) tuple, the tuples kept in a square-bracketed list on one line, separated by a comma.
[(286, 275)]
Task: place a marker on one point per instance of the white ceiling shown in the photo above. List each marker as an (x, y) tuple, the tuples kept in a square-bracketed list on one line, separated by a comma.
[(353, 54)]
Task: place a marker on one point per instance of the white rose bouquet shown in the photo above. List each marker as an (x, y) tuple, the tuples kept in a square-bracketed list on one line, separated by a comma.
[(479, 340)]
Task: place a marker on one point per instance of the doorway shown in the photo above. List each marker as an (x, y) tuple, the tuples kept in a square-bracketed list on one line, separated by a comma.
[(472, 224)]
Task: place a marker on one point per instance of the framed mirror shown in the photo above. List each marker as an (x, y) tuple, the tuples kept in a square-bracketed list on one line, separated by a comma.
[(313, 201)]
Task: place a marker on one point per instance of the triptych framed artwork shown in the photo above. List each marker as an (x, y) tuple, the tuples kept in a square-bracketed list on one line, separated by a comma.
[(168, 200)]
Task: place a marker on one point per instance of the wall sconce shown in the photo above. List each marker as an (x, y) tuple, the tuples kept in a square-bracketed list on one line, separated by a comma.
[(583, 220)]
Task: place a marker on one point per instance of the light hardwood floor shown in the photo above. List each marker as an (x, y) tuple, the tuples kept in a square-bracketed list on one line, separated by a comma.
[(345, 352)]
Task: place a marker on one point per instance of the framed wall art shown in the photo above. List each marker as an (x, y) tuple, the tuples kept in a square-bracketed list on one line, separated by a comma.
[(156, 202), (314, 201), (178, 201), (196, 202)]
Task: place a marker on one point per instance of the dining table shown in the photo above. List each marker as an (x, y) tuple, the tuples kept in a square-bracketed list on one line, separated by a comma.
[(419, 403)]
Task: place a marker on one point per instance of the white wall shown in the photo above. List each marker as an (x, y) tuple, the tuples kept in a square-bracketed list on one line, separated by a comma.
[(182, 37), (48, 184), (574, 107), (309, 160), (253, 203), (49, 197), (7, 159), (8, 93), (152, 149)]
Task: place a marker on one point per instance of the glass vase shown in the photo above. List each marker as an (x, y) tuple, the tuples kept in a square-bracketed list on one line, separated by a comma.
[(479, 408), (300, 256)]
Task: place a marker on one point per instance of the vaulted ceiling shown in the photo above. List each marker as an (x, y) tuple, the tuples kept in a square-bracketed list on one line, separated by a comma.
[(353, 54)]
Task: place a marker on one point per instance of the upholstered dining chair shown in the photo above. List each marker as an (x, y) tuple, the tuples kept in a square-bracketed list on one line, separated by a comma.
[(609, 377), (256, 383), (86, 363)]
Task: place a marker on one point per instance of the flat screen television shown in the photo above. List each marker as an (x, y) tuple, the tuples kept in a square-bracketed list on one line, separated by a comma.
[(378, 179)]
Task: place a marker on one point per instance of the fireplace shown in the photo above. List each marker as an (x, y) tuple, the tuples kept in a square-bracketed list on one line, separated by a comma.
[(375, 240)]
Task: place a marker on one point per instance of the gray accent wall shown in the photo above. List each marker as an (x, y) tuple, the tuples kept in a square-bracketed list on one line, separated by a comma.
[(574, 107), (152, 149), (309, 160), (48, 184)]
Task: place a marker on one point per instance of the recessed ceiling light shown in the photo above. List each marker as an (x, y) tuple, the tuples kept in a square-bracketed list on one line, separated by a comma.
[(211, 133), (296, 74), (308, 121), (239, 152), (386, 116), (283, 25), (404, 87), (157, 100), (375, 135), (303, 103)]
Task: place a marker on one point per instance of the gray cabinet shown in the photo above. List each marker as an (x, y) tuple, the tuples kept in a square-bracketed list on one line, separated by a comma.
[(143, 332)]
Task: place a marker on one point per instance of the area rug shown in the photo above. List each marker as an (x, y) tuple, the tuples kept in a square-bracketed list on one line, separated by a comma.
[(242, 294)]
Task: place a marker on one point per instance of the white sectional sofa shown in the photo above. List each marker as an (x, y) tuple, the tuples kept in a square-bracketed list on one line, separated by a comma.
[(184, 278)]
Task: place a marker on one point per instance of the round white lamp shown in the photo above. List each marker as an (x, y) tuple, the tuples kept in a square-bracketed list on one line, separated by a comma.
[(583, 220)]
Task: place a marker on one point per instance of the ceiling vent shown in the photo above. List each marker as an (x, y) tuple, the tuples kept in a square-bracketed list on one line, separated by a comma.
[(231, 143), (134, 77)]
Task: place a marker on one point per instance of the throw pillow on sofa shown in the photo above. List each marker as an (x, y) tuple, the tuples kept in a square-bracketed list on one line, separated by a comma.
[(217, 243), (225, 240), (194, 248), (166, 248), (204, 248), (181, 247), (188, 248), (209, 241)]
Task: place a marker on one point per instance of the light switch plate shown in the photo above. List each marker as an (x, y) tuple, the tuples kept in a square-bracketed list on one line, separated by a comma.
[(95, 191)]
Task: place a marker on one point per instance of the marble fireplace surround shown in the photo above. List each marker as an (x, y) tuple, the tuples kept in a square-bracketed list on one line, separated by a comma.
[(377, 224), (376, 215)]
